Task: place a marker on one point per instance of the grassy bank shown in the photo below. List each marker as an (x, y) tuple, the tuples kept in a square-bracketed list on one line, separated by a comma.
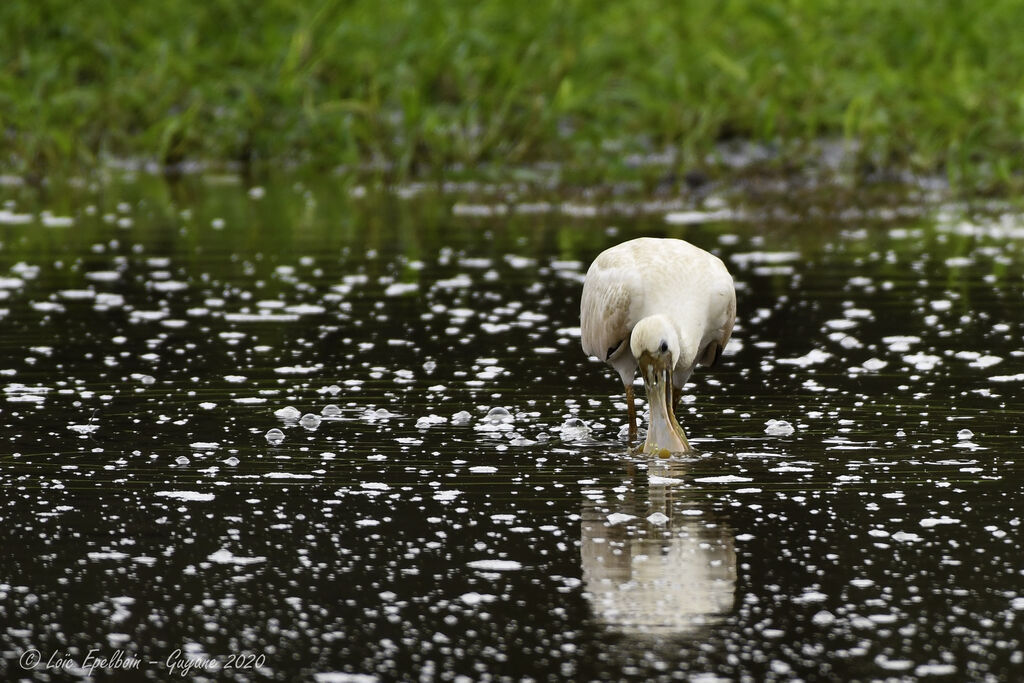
[(419, 85)]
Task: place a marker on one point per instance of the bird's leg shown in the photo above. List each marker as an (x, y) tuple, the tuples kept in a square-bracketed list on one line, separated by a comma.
[(631, 413)]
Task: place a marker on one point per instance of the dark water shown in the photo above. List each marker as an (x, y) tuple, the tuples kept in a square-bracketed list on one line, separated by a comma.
[(854, 511)]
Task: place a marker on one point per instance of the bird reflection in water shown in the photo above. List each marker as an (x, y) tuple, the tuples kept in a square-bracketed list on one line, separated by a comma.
[(653, 562)]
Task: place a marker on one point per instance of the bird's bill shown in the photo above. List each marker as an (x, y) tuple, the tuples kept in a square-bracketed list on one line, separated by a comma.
[(664, 435)]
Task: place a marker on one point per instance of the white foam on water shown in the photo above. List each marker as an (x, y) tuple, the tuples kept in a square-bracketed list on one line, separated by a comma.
[(574, 429), (108, 555), (473, 598), (656, 480), (929, 522), (261, 317), (874, 364), (83, 429), (697, 217), (190, 496), (659, 518), (619, 518), (495, 565), (812, 357), (1019, 377), (400, 288), (922, 361), (299, 369), (778, 428), (225, 556)]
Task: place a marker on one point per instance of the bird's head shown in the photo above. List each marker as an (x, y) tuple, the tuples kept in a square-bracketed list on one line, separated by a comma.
[(655, 344)]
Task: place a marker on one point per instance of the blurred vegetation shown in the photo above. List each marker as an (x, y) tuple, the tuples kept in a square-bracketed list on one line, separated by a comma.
[(417, 87)]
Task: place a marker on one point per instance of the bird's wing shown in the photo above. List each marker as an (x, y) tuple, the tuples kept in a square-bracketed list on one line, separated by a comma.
[(605, 308), (730, 315), (722, 314)]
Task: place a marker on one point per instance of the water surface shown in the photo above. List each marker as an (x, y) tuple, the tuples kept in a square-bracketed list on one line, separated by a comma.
[(449, 493)]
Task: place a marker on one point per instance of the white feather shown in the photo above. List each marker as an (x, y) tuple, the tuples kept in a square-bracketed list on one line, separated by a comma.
[(649, 276)]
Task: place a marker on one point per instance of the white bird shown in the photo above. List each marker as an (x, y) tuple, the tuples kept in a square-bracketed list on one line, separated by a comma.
[(663, 305)]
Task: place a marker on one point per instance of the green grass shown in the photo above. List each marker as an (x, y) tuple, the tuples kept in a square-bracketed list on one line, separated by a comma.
[(422, 86)]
